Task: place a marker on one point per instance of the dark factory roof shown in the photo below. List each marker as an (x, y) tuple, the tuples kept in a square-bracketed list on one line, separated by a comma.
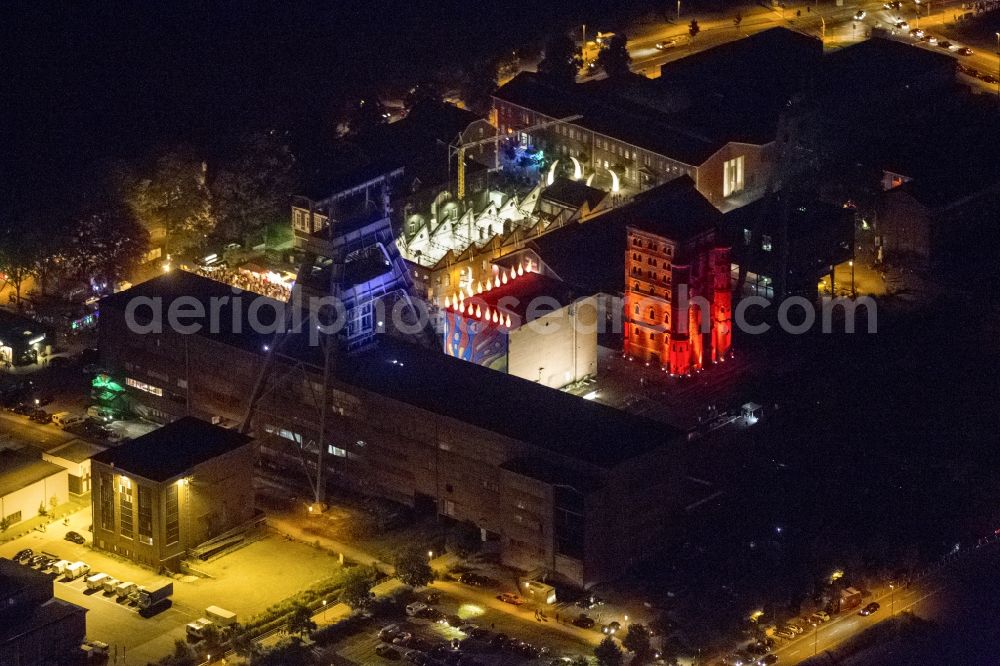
[(674, 210), (172, 450), (510, 406), (492, 400)]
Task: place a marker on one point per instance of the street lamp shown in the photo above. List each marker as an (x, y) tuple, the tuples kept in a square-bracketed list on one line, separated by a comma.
[(678, 10), (892, 599), (854, 293), (324, 611)]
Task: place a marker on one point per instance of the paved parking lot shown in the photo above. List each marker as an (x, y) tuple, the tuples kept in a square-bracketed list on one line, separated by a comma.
[(360, 649), (245, 581)]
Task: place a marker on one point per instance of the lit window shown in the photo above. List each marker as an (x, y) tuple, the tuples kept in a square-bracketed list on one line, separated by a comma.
[(746, 236), (336, 451), (142, 386), (732, 176), (765, 243)]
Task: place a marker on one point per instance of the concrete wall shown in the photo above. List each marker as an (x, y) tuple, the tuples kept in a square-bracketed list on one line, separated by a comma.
[(755, 174), (557, 349), (27, 499)]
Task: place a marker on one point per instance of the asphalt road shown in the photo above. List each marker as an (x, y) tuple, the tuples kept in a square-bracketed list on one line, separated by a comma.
[(836, 24)]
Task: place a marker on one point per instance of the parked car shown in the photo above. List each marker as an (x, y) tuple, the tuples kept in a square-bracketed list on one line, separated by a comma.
[(590, 601), (870, 608), (767, 660), (965, 51), (917, 33), (414, 608), (75, 537), (945, 44), (510, 598), (819, 617), (795, 627), (611, 628), (860, 15), (23, 554), (477, 580), (785, 633), (585, 621), (666, 44), (41, 416), (388, 632)]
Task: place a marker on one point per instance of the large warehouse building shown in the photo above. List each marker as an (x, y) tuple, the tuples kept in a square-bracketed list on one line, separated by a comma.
[(554, 481)]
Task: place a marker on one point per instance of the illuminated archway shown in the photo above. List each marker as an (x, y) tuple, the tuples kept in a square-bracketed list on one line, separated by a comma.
[(552, 173), (615, 185), (577, 169)]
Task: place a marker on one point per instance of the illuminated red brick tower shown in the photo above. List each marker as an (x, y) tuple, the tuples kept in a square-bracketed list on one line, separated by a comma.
[(676, 278)]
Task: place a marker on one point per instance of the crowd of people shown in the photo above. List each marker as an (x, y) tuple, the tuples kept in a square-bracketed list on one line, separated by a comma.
[(241, 278)]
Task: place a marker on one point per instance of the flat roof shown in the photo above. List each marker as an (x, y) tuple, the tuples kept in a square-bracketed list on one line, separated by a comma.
[(77, 450), (172, 450), (15, 577), (38, 616), (507, 405), (431, 380), (19, 470)]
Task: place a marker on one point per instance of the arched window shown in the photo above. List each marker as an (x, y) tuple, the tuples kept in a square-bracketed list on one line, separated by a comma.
[(636, 310), (652, 313)]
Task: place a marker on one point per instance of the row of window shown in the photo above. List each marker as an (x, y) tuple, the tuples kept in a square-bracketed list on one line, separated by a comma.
[(651, 245), (143, 386), (135, 510)]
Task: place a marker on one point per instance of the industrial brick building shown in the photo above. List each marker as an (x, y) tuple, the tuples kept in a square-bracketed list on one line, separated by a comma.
[(553, 481), (168, 491)]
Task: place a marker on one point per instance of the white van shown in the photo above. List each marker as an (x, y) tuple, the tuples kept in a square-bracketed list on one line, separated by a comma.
[(65, 419), (59, 568), (59, 418), (96, 581), (196, 629), (124, 589), (77, 569), (110, 584)]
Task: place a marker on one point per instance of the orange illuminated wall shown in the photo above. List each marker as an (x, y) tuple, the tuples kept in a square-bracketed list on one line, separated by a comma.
[(660, 327)]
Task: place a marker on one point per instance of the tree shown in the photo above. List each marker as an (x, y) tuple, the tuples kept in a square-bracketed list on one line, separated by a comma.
[(608, 653), (614, 58), (173, 200), (25, 244), (694, 28), (636, 640), (244, 645), (300, 620), (413, 569), (562, 59), (464, 538), (107, 242), (253, 190), (182, 655), (357, 590), (286, 653)]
